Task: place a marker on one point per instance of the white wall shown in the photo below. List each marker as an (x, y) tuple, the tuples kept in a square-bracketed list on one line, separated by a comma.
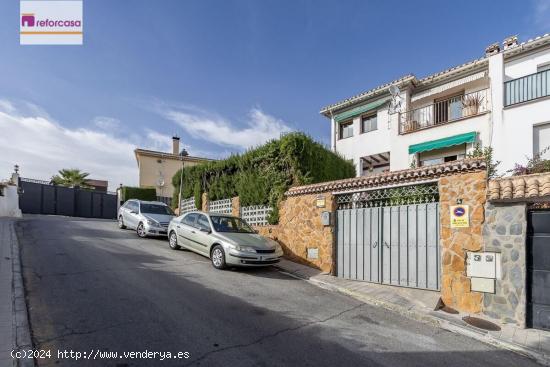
[(9, 202), (513, 129)]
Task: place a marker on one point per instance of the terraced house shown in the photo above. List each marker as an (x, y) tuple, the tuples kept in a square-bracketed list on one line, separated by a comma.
[(499, 100)]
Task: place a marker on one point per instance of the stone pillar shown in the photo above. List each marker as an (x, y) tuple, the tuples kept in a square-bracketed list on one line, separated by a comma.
[(204, 200), (236, 206), (471, 188)]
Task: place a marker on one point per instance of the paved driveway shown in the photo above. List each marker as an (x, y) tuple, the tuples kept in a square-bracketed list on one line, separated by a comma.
[(93, 287)]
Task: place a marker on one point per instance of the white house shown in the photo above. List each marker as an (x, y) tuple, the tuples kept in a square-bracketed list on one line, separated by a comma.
[(501, 100)]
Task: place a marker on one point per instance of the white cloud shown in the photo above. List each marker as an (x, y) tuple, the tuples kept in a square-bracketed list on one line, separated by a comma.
[(106, 123), (41, 147), (260, 127)]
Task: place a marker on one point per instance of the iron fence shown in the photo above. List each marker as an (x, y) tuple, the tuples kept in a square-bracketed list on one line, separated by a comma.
[(527, 88), (404, 195)]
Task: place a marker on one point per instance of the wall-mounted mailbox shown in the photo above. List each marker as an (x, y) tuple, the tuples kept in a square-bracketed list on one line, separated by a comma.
[(483, 265), (325, 218)]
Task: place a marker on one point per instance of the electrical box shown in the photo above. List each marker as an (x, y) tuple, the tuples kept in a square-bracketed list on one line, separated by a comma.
[(313, 253), (325, 218), (484, 285), (483, 265)]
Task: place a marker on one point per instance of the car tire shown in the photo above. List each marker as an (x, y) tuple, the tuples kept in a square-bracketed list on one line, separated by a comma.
[(173, 241), (121, 224), (217, 257), (140, 230)]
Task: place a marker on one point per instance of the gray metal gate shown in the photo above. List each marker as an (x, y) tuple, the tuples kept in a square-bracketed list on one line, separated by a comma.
[(390, 244), (538, 270)]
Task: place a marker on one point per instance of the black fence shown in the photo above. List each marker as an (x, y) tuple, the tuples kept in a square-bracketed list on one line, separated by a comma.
[(41, 197)]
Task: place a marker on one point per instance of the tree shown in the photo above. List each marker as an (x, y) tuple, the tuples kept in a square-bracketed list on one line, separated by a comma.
[(487, 154), (72, 177)]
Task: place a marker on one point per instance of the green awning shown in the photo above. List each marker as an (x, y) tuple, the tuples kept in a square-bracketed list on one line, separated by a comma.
[(443, 143), (361, 109)]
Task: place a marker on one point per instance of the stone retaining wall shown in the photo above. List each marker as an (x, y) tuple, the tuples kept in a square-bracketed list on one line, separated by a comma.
[(505, 232)]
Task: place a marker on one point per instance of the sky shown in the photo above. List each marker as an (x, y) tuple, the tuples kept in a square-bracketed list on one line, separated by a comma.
[(223, 75)]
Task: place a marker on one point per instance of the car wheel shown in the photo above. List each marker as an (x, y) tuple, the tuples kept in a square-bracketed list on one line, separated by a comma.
[(173, 240), (218, 257), (140, 230), (121, 223)]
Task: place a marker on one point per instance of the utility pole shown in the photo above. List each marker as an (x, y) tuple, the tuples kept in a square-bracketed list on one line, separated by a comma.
[(181, 184)]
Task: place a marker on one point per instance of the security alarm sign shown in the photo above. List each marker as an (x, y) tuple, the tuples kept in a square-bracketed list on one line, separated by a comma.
[(460, 217)]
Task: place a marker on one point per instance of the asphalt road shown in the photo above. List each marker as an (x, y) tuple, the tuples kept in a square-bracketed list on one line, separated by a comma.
[(92, 287)]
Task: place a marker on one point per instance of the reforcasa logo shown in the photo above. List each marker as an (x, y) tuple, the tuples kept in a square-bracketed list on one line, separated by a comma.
[(28, 20)]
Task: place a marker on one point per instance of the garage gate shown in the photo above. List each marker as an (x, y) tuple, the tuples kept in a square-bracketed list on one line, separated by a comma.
[(538, 270), (390, 236)]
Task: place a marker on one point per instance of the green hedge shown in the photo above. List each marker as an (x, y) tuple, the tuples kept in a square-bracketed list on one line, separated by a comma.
[(262, 175), (140, 193)]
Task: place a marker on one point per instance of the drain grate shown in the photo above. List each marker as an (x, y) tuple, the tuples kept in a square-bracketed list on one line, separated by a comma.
[(481, 324)]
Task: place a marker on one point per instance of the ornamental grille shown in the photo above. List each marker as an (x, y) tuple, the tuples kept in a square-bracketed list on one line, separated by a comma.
[(416, 194), (256, 215), (220, 206), (187, 205)]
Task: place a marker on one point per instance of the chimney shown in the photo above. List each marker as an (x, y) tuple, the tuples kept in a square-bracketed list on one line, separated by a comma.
[(175, 145), (492, 49), (510, 42)]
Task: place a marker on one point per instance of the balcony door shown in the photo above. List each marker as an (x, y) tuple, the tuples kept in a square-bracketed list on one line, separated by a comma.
[(448, 109)]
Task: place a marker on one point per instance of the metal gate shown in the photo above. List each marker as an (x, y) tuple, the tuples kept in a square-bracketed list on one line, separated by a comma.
[(40, 197), (390, 237), (538, 270)]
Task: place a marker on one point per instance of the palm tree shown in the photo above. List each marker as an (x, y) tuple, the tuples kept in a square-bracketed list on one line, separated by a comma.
[(71, 177)]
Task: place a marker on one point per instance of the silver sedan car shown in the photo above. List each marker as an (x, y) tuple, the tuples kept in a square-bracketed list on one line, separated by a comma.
[(148, 218), (226, 240)]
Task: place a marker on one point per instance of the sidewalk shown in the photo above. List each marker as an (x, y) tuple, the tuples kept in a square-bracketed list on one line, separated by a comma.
[(14, 326), (420, 305)]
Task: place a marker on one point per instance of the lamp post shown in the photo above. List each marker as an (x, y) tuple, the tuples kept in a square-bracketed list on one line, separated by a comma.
[(181, 184)]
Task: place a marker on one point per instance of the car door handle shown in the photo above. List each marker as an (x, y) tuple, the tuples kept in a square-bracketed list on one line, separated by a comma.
[(178, 226), (192, 231), (375, 244)]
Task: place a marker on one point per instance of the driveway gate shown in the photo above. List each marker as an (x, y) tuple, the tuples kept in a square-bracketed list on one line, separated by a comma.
[(390, 236), (538, 270), (41, 197)]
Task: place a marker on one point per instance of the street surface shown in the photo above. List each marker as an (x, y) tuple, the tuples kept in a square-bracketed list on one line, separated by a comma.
[(94, 289)]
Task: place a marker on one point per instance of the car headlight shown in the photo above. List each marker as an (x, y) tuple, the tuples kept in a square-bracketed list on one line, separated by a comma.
[(153, 222), (245, 249)]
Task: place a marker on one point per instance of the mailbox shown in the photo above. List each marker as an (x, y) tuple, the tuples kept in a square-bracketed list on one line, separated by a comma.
[(483, 265)]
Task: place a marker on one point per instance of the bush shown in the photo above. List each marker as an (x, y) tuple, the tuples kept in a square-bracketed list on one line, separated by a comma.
[(262, 175), (140, 193), (536, 164)]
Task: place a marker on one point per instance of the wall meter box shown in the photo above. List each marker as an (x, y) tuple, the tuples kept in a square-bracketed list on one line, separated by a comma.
[(483, 265), (325, 218)]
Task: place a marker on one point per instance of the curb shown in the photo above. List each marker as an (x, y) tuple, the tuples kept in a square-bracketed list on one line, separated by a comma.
[(20, 316), (430, 318)]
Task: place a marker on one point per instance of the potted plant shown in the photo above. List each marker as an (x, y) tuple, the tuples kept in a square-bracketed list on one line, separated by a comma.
[(471, 104)]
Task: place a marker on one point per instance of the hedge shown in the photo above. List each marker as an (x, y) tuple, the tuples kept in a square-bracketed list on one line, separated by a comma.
[(140, 193), (263, 174)]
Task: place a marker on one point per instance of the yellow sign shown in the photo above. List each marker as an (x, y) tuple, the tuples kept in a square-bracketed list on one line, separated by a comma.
[(320, 202), (460, 216)]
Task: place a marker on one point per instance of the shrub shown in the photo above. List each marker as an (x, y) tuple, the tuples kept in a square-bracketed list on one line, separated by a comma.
[(140, 193), (536, 164), (262, 175)]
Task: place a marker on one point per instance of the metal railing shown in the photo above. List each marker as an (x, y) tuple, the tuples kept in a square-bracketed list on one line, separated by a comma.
[(527, 88), (187, 205), (223, 206), (256, 215), (444, 111)]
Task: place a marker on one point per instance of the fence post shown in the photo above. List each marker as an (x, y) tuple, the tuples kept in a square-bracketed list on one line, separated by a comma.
[(236, 206), (204, 200)]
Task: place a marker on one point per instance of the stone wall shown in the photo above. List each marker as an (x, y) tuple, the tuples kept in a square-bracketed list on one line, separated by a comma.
[(300, 228), (504, 231), (471, 189)]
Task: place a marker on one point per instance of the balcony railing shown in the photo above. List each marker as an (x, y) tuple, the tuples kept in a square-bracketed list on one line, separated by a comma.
[(527, 88), (444, 111)]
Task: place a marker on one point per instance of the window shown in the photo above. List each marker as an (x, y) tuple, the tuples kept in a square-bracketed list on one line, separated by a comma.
[(202, 223), (346, 129), (443, 155), (448, 109), (230, 224), (156, 209), (369, 123), (541, 140), (190, 219)]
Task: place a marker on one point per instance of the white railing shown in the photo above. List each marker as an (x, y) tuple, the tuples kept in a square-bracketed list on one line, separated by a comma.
[(256, 215), (223, 206), (187, 205)]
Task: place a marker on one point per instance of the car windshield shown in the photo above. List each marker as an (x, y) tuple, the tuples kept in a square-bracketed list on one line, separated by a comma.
[(156, 209), (230, 224)]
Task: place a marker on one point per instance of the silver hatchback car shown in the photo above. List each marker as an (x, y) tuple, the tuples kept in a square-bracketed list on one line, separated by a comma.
[(225, 239), (148, 218)]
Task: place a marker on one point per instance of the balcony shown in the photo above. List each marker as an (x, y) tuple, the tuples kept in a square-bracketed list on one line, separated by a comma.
[(527, 88), (444, 111)]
